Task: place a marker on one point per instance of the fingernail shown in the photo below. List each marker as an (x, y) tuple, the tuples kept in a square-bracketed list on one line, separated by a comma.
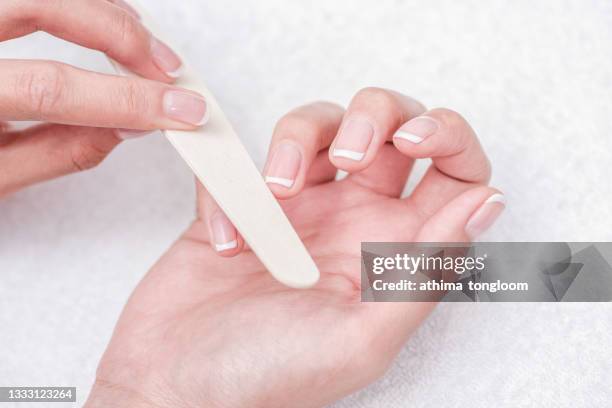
[(417, 129), (166, 59), (485, 216), (284, 165), (224, 233), (354, 139), (125, 134), (186, 107)]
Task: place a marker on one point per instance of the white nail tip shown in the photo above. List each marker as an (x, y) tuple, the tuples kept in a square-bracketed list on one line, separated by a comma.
[(401, 134), (224, 247), (348, 154), (279, 180), (177, 72), (496, 198), (205, 118)]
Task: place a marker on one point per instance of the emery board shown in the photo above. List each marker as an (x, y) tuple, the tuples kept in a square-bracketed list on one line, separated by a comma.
[(221, 162)]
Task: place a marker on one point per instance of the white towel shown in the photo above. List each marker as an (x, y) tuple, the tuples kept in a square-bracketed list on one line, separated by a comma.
[(534, 80)]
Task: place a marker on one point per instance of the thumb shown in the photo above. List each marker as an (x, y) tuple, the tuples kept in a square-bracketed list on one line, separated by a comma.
[(465, 217)]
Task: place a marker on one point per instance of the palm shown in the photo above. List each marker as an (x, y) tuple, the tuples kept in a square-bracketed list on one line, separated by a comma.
[(214, 318)]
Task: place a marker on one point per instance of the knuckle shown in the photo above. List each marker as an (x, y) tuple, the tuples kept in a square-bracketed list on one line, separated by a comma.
[(133, 100), (295, 123), (86, 155), (127, 26), (325, 109), (462, 135), (462, 139), (379, 97), (127, 36), (41, 88), (449, 116)]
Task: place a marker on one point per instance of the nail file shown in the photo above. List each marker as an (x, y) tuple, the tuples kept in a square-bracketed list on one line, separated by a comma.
[(220, 161)]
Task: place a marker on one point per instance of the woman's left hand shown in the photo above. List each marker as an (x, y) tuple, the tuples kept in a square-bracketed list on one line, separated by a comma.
[(204, 330)]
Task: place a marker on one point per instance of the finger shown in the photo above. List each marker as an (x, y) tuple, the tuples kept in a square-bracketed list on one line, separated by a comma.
[(459, 161), (47, 151), (223, 236), (460, 220), (60, 93), (297, 139), (95, 24), (321, 170), (126, 6), (388, 173), (465, 217), (371, 119)]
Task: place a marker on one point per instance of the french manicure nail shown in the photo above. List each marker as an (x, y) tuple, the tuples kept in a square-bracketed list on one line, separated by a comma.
[(485, 216), (125, 134), (354, 139), (185, 107), (284, 165), (224, 233), (417, 129), (166, 59)]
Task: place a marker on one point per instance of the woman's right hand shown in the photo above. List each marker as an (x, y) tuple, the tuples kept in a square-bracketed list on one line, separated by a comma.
[(86, 113)]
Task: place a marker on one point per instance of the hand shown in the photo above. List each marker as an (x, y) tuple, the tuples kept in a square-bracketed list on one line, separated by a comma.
[(88, 113), (201, 330)]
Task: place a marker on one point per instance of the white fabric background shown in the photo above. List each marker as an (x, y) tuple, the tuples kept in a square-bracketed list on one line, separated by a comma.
[(534, 79)]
